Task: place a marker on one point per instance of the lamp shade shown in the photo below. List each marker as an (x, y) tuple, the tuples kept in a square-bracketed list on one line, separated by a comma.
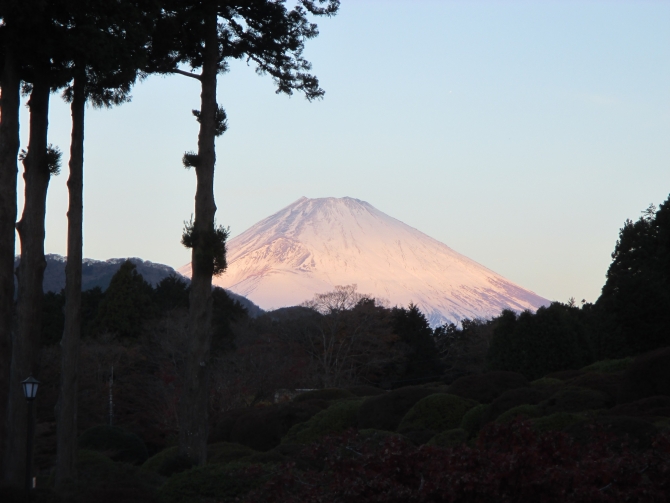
[(30, 387)]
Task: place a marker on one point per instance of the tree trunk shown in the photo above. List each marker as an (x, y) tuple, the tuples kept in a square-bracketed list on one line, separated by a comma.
[(26, 344), (9, 149), (66, 410), (195, 393)]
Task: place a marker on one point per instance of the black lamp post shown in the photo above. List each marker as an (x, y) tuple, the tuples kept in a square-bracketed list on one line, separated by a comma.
[(29, 390)]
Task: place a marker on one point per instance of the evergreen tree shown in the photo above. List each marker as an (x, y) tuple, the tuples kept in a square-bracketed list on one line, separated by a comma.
[(126, 304), (41, 69), (106, 47), (637, 291), (205, 35), (534, 344), (412, 328)]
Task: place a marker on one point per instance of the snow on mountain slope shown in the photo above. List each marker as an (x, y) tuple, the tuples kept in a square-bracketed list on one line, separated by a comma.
[(314, 244)]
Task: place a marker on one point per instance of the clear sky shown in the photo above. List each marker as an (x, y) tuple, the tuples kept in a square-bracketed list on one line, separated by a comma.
[(521, 134)]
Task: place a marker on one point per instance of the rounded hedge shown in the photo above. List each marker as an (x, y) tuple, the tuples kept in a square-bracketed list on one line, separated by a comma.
[(607, 366), (546, 382), (472, 420), (526, 410), (336, 418), (115, 442), (225, 452), (438, 412), (449, 438), (221, 483), (324, 394), (384, 412), (484, 388), (576, 400)]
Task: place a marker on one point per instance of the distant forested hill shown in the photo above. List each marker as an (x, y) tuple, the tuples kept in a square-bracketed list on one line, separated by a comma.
[(98, 273)]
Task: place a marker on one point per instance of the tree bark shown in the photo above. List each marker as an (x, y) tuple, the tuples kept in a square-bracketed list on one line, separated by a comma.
[(195, 394), (9, 149), (26, 344), (66, 410)]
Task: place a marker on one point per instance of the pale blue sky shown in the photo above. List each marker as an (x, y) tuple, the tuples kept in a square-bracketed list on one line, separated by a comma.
[(521, 134)]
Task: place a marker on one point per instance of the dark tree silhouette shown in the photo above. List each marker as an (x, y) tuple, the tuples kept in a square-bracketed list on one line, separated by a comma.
[(41, 69), (205, 35), (637, 291), (105, 46), (13, 24)]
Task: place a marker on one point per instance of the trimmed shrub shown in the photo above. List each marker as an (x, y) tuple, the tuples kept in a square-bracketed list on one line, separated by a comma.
[(528, 411), (262, 428), (221, 483), (647, 407), (472, 420), (225, 452), (336, 418), (154, 463), (439, 412), (606, 366), (449, 438), (546, 382), (384, 412), (557, 421), (364, 391), (115, 442), (565, 375), (608, 384), (272, 457), (515, 397), (648, 375), (576, 400), (324, 394), (484, 388)]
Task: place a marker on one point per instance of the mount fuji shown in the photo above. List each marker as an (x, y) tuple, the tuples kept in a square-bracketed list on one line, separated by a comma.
[(314, 244)]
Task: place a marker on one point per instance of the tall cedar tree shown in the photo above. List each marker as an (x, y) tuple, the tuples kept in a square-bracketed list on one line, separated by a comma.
[(205, 34), (41, 69), (106, 44), (12, 27), (637, 291)]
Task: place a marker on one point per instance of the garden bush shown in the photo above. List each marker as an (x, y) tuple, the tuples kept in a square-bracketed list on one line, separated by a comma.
[(527, 411), (262, 428), (556, 421), (606, 366), (510, 462), (484, 388), (336, 418), (438, 412), (324, 394), (576, 400), (115, 442), (515, 397), (648, 375), (384, 412), (225, 452), (449, 438), (220, 483), (608, 383), (472, 420), (546, 382), (653, 406), (565, 375)]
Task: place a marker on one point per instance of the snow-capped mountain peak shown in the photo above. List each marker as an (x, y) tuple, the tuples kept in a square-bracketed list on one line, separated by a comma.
[(312, 245)]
